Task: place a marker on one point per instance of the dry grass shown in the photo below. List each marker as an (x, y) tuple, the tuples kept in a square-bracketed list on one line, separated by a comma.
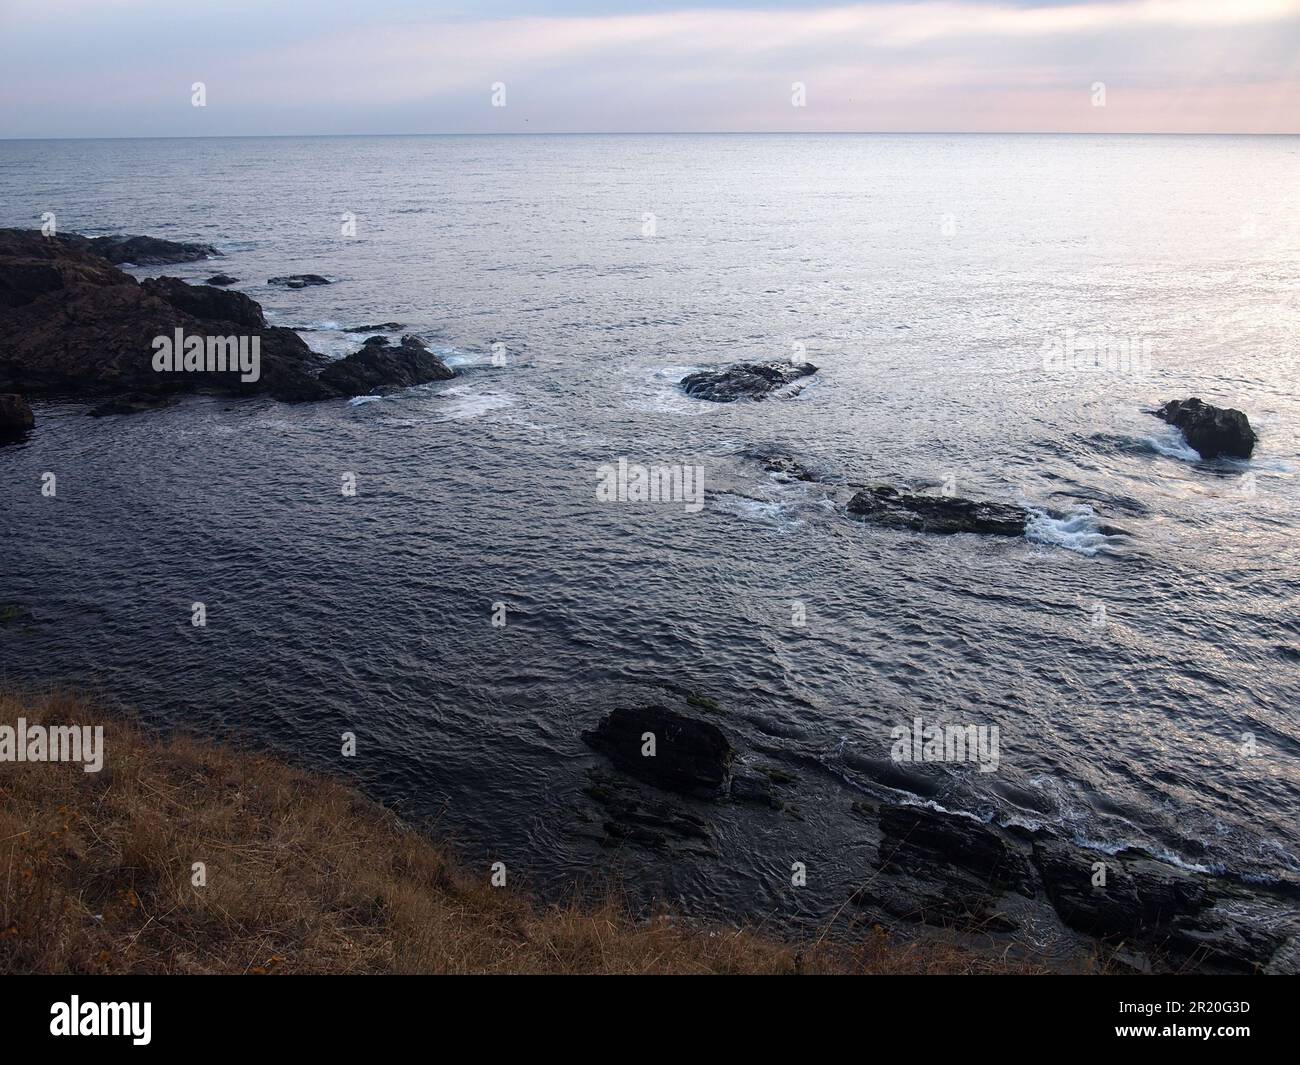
[(305, 875)]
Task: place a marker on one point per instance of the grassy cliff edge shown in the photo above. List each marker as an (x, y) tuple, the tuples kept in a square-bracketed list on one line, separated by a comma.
[(306, 875)]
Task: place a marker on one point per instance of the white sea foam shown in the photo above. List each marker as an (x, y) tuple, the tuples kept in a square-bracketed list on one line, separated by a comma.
[(464, 405), (1174, 447), (1078, 531)]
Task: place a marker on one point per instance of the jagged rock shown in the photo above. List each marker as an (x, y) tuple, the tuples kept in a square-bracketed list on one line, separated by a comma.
[(746, 380), (691, 756), (16, 417), (381, 365), (1212, 431), (299, 280), (221, 280), (73, 324), (887, 506), (208, 303), (140, 251), (1141, 897), (919, 839)]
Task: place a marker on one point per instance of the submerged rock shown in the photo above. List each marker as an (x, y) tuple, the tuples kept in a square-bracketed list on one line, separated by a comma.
[(136, 403), (690, 756), (221, 280), (887, 506), (746, 380), (1212, 431), (299, 280), (382, 365), (632, 815), (16, 416)]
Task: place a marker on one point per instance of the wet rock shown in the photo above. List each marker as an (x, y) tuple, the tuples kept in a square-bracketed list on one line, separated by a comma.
[(221, 280), (16, 418), (1212, 431), (139, 250), (380, 365), (632, 815), (1141, 897), (920, 840), (787, 469), (887, 506), (746, 380), (757, 790), (73, 324), (299, 280), (690, 756), (382, 327), (208, 303)]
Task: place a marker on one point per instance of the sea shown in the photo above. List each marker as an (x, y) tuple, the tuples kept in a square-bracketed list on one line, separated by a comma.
[(991, 316)]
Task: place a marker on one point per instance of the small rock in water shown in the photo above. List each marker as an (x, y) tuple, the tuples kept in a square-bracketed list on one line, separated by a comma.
[(1212, 431), (221, 280), (381, 327), (886, 505), (299, 280), (689, 755), (746, 380), (16, 416), (381, 365)]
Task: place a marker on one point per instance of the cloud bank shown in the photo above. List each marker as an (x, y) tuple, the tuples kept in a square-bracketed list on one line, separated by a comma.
[(127, 67)]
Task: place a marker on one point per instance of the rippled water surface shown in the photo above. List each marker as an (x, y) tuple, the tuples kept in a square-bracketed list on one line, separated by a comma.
[(926, 276)]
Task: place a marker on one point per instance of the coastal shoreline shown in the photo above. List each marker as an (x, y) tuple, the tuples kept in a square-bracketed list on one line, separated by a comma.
[(186, 856)]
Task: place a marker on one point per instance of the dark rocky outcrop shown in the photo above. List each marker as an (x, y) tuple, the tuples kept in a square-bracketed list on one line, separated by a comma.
[(299, 280), (746, 380), (1212, 431), (380, 365), (916, 838), (221, 280), (887, 506), (1140, 898), (16, 417), (73, 324), (691, 756), (139, 251), (207, 303), (1173, 910)]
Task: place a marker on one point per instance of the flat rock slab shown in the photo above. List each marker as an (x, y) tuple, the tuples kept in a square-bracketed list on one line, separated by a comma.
[(299, 280), (894, 509)]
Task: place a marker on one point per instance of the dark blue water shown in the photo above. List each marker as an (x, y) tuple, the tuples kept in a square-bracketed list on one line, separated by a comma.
[(926, 276)]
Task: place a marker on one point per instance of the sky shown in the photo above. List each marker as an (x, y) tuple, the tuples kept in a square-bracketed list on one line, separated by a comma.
[(123, 68)]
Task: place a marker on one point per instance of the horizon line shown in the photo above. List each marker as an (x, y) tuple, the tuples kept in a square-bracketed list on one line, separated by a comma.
[(675, 133)]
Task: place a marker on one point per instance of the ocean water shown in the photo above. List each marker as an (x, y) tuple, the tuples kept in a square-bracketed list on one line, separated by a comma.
[(936, 281)]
